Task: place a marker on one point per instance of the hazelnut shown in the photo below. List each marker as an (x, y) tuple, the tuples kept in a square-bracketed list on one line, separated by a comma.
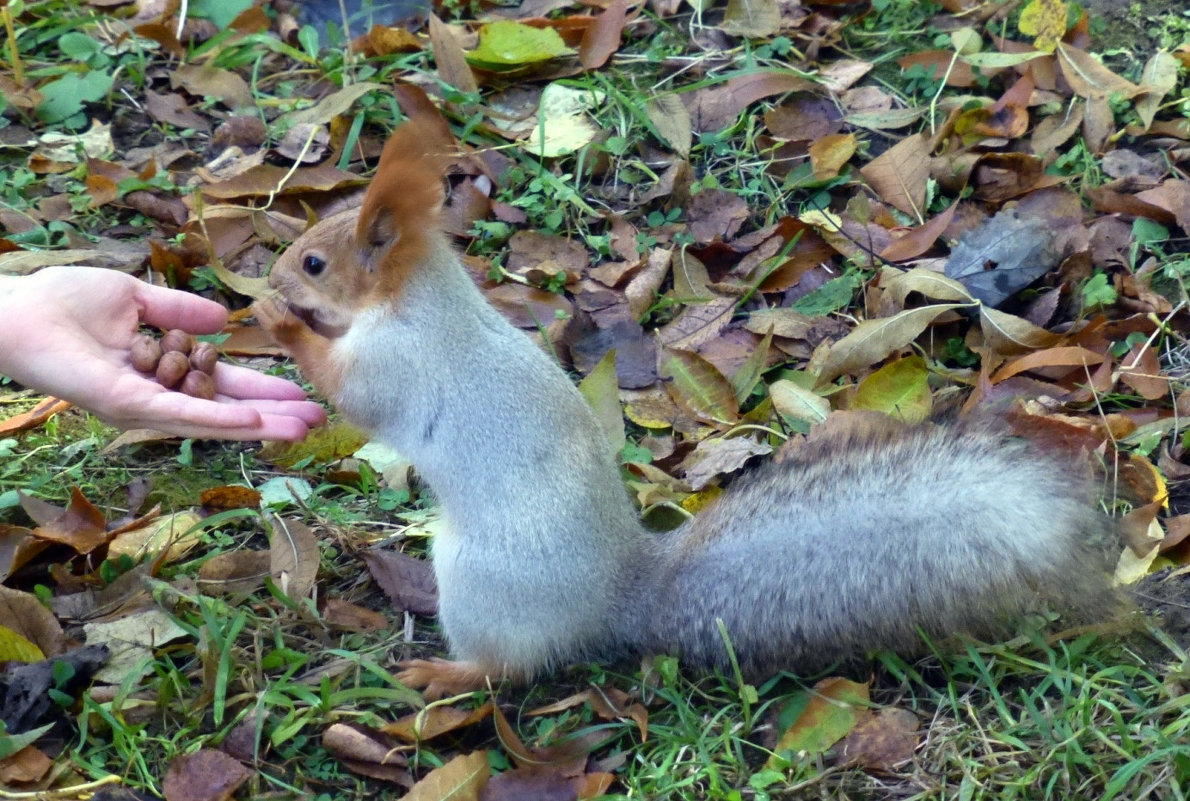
[(203, 358), (171, 369), (199, 385), (146, 352), (177, 340)]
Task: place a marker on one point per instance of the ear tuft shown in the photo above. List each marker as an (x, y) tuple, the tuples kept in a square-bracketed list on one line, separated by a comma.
[(406, 195)]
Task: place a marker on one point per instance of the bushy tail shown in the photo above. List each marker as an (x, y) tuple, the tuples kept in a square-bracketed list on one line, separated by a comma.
[(868, 538)]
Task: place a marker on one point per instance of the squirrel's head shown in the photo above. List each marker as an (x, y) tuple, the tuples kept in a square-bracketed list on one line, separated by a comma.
[(359, 258)]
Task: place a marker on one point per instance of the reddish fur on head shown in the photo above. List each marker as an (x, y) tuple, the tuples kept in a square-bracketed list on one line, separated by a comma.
[(399, 218)]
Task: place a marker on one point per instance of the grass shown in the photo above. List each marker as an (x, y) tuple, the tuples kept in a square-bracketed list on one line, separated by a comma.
[(1092, 715)]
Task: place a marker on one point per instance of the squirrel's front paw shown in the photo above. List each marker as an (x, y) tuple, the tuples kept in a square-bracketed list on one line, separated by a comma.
[(273, 315), (439, 677)]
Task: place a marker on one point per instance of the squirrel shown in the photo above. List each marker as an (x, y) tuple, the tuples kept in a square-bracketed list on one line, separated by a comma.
[(865, 538)]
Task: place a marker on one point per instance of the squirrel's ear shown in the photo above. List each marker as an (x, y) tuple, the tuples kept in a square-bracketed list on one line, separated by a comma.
[(376, 232)]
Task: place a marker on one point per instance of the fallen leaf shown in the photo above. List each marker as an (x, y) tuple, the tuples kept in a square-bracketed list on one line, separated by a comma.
[(883, 741), (900, 389), (872, 341), (602, 39), (294, 557), (899, 175), (205, 775), (449, 58), (34, 418), (718, 456), (80, 525), (131, 641), (715, 107), (407, 581), (340, 614), (697, 387), (832, 709), (435, 721), (461, 779), (234, 572)]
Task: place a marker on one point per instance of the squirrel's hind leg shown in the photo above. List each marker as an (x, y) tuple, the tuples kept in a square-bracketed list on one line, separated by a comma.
[(439, 677)]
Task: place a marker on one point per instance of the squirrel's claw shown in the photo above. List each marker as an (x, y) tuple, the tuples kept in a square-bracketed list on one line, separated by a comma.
[(440, 677)]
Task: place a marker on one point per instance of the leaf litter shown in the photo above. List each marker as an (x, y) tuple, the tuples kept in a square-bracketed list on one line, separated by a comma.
[(768, 246)]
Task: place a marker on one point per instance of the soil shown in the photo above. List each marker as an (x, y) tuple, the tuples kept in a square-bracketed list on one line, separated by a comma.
[(1136, 29)]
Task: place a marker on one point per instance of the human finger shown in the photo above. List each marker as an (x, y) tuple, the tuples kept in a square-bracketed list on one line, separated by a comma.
[(172, 308)]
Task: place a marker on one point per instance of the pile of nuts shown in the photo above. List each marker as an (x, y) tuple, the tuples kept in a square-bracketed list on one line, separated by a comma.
[(178, 362)]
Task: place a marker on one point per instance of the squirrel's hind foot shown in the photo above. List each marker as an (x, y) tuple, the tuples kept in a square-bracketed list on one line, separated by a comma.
[(440, 677)]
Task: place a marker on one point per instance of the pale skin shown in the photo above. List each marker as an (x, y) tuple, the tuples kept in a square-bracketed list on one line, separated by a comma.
[(66, 332)]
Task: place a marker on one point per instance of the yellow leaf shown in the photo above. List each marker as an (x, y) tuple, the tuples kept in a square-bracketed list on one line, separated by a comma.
[(15, 648), (1045, 20)]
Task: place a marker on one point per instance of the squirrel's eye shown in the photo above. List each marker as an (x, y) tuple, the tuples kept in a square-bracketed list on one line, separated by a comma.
[(313, 266)]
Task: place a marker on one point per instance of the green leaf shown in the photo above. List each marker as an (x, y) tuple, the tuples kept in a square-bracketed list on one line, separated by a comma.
[(830, 297), (505, 45), (78, 46), (1098, 291), (65, 96), (11, 743), (220, 12), (900, 389), (602, 391)]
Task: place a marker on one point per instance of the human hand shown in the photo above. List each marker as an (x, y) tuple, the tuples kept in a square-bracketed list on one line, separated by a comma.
[(66, 331)]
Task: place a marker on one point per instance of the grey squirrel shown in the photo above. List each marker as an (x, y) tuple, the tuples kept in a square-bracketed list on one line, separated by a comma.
[(864, 538)]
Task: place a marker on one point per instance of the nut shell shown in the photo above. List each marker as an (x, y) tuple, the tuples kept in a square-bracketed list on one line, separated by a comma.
[(203, 358), (198, 384), (145, 352), (178, 340), (172, 368)]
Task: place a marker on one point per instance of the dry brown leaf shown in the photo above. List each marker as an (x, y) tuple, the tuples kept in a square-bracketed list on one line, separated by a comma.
[(218, 499), (899, 174), (528, 306), (357, 743), (450, 59), (716, 456), (28, 765), (697, 323), (340, 614), (461, 779), (917, 241), (1089, 78), (1051, 357), (1141, 370), (80, 525), (435, 721), (24, 614), (1009, 335), (715, 107), (407, 581), (294, 557), (234, 572), (715, 214), (266, 179), (602, 39), (209, 81), (205, 775), (881, 742), (755, 19), (174, 110)]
